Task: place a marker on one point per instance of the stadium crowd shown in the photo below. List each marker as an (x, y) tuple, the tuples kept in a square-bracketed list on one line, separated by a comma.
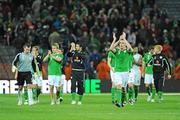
[(44, 22)]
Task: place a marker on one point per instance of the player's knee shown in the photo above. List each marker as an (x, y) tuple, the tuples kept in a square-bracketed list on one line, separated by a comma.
[(119, 86), (146, 85)]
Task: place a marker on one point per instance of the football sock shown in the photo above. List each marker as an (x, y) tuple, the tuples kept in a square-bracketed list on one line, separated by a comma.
[(25, 95), (153, 92), (136, 91), (113, 93), (80, 97), (34, 94), (148, 90), (73, 96), (119, 95)]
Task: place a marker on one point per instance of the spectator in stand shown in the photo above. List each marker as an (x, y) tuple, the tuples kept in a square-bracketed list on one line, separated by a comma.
[(103, 70)]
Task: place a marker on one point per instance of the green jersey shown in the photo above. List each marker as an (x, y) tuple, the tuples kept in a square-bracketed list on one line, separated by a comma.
[(112, 57), (54, 67), (122, 60), (130, 61), (146, 58)]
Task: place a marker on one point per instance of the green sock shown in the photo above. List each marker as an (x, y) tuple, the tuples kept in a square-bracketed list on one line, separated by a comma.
[(123, 97), (113, 93), (38, 92), (160, 94), (130, 93), (35, 94), (119, 95), (80, 97), (61, 93), (153, 92), (148, 90), (136, 91), (25, 95), (73, 96)]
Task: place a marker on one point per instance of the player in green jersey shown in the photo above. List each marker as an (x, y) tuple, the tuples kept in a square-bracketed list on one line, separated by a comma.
[(122, 50), (111, 63), (147, 73), (55, 59)]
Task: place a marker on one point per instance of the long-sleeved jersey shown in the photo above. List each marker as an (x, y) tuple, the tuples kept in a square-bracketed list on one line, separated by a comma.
[(78, 60), (160, 63), (39, 62), (24, 62)]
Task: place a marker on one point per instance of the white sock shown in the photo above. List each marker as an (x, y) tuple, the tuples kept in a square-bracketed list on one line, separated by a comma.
[(64, 87), (69, 86), (30, 97), (20, 95)]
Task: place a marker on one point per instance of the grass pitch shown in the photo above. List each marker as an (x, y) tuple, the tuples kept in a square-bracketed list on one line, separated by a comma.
[(94, 107)]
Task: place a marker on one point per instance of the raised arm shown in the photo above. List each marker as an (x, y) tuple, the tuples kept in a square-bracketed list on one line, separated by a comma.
[(58, 59), (113, 42), (47, 56), (127, 43)]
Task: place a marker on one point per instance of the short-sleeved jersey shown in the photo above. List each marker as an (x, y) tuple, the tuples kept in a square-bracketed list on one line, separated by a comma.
[(54, 67), (146, 58), (122, 60), (112, 56)]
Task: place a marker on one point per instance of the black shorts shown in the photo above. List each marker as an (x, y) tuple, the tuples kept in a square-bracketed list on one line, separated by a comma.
[(24, 76)]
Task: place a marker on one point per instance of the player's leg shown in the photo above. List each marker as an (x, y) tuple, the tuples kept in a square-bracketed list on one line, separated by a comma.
[(20, 87), (153, 90), (73, 87), (156, 82), (137, 84), (148, 82), (113, 88), (51, 86), (125, 78), (39, 87), (28, 77), (59, 89), (160, 86), (25, 94), (20, 83), (130, 88), (118, 93), (80, 85), (35, 86)]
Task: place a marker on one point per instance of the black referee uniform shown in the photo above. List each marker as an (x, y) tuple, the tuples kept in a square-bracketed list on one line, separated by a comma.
[(160, 65)]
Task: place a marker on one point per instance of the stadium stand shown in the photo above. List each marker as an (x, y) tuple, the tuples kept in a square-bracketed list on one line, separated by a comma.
[(42, 22)]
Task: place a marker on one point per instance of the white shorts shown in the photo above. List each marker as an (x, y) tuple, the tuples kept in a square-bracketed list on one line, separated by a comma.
[(112, 74), (55, 80), (131, 77), (37, 80), (121, 78), (137, 77), (148, 79)]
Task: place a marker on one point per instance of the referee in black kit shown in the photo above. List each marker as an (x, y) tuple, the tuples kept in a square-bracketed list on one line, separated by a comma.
[(78, 71), (160, 65)]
